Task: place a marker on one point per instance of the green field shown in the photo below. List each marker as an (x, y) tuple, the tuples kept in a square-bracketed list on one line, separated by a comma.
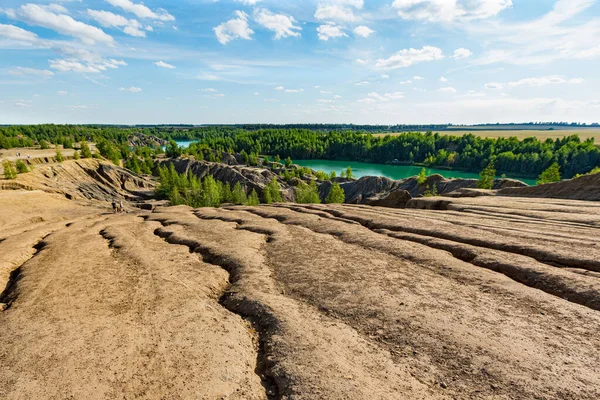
[(522, 134)]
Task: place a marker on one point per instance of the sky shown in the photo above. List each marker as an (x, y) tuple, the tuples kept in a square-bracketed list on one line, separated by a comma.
[(301, 61)]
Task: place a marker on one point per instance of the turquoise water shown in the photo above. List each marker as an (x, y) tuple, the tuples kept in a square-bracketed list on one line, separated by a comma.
[(395, 172)]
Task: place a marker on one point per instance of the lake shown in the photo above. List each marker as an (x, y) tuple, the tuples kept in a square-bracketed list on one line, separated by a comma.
[(395, 172)]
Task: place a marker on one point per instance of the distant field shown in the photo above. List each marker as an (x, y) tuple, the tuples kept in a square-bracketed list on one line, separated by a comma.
[(522, 134)]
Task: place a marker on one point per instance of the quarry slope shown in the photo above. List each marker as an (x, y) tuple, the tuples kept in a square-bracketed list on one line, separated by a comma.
[(490, 297)]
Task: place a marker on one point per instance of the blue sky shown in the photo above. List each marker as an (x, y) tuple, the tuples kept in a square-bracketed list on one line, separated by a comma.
[(304, 61)]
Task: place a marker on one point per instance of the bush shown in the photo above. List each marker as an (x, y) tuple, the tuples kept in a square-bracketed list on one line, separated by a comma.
[(85, 150), (336, 195), (272, 192), (431, 191), (76, 155), (550, 175), (22, 167), (487, 176), (9, 170)]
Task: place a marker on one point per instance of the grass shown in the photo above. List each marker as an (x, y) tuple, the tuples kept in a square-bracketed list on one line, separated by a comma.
[(584, 134)]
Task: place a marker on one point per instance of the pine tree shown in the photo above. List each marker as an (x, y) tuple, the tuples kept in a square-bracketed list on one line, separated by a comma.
[(288, 162), (308, 194), (550, 175), (272, 192), (239, 195), (336, 195), (349, 173), (487, 176), (76, 155), (422, 178), (9, 170), (253, 199), (59, 156)]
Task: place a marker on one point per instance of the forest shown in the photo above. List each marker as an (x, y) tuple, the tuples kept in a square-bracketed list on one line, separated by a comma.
[(528, 157)]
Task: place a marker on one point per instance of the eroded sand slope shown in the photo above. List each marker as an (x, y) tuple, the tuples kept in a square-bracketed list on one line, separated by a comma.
[(493, 298)]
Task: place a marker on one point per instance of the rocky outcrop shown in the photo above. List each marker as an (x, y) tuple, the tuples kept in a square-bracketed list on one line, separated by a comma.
[(141, 140), (586, 187)]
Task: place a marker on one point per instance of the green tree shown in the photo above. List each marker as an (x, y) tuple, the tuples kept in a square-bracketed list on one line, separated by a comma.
[(85, 150), (487, 176), (349, 173), (422, 178), (431, 191), (76, 155), (226, 193), (308, 194), (336, 195), (173, 150), (44, 145), (9, 170), (210, 192), (272, 192), (239, 195), (253, 199), (277, 159), (288, 162), (59, 156), (550, 175)]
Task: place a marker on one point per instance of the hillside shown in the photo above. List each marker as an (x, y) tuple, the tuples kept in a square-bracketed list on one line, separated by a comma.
[(450, 298)]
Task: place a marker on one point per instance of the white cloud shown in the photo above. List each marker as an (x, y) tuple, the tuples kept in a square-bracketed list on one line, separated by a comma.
[(131, 89), (361, 61), (449, 10), (326, 92), (418, 78), (338, 10), (281, 24), (407, 57), (142, 11), (462, 53), (447, 90), (363, 83), (376, 97), (408, 82), (330, 31), (22, 71), (363, 31), (443, 79), (279, 88), (209, 90), (34, 14), (494, 86), (16, 33), (234, 28), (62, 93), (163, 64), (294, 90), (248, 2), (93, 66), (545, 80), (107, 19), (23, 103), (384, 76), (337, 96)]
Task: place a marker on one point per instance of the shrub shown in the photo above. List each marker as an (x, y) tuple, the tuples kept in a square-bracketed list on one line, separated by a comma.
[(431, 191), (22, 167), (308, 194), (272, 192), (85, 150), (76, 155), (59, 156), (336, 195)]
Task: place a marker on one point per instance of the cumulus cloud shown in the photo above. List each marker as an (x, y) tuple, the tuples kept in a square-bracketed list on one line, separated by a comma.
[(375, 97), (131, 89), (338, 10), (443, 79), (449, 10), (234, 28), (34, 14), (107, 19), (281, 24), (448, 89), (545, 80), (16, 33), (462, 53), (363, 31), (407, 57), (22, 71), (163, 64), (330, 31), (141, 11)]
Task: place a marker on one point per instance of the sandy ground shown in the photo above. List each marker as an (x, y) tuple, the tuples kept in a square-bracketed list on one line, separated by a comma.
[(492, 298)]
